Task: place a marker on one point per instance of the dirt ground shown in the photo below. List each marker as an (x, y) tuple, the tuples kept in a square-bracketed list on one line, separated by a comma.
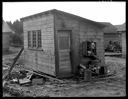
[(111, 87)]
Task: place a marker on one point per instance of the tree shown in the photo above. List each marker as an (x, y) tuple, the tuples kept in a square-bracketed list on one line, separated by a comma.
[(10, 24), (17, 40), (18, 27), (17, 37)]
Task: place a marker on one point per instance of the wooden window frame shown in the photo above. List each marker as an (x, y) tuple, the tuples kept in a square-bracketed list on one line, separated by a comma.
[(85, 48), (39, 42), (29, 39), (34, 39)]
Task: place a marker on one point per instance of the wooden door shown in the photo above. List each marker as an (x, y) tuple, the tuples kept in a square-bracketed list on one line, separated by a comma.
[(64, 45)]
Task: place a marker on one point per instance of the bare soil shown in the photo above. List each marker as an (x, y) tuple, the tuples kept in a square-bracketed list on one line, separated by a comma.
[(111, 87)]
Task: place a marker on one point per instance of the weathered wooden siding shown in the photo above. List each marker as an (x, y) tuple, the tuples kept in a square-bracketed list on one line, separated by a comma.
[(63, 22), (49, 60), (124, 44), (91, 32), (80, 31), (41, 60)]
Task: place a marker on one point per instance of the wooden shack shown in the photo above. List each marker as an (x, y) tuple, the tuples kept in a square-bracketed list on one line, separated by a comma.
[(6, 31), (53, 41)]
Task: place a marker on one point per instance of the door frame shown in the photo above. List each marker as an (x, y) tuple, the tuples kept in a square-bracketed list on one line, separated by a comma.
[(57, 43)]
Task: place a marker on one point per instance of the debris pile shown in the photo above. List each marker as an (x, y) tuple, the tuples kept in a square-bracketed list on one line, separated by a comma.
[(22, 85)]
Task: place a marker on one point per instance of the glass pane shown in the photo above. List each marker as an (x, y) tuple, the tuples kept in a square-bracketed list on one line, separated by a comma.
[(39, 38), (34, 38)]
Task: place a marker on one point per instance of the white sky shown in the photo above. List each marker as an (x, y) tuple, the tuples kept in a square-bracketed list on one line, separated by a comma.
[(113, 12)]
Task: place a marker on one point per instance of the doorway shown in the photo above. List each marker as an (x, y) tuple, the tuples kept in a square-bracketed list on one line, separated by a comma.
[(64, 49)]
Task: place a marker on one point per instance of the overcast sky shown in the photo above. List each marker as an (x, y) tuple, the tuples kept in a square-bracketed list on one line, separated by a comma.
[(113, 12)]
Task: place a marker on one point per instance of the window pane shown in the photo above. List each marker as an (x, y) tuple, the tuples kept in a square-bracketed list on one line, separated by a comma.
[(34, 38), (39, 38)]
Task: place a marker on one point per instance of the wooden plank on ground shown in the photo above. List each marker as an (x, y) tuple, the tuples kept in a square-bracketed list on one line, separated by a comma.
[(49, 77)]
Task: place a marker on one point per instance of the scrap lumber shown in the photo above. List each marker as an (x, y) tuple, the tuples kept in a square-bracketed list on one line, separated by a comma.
[(82, 66), (46, 76), (13, 64), (43, 75)]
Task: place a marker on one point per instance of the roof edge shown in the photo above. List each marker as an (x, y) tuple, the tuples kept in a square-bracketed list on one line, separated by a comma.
[(38, 14), (56, 11)]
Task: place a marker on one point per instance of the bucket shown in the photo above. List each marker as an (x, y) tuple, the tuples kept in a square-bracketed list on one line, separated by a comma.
[(87, 75)]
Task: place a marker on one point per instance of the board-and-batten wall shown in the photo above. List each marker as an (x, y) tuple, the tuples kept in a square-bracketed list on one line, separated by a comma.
[(40, 60)]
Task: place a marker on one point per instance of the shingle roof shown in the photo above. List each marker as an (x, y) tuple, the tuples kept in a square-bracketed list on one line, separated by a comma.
[(109, 28), (5, 27), (121, 27)]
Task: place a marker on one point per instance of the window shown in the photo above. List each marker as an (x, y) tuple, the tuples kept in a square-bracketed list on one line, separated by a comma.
[(34, 39), (88, 47)]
